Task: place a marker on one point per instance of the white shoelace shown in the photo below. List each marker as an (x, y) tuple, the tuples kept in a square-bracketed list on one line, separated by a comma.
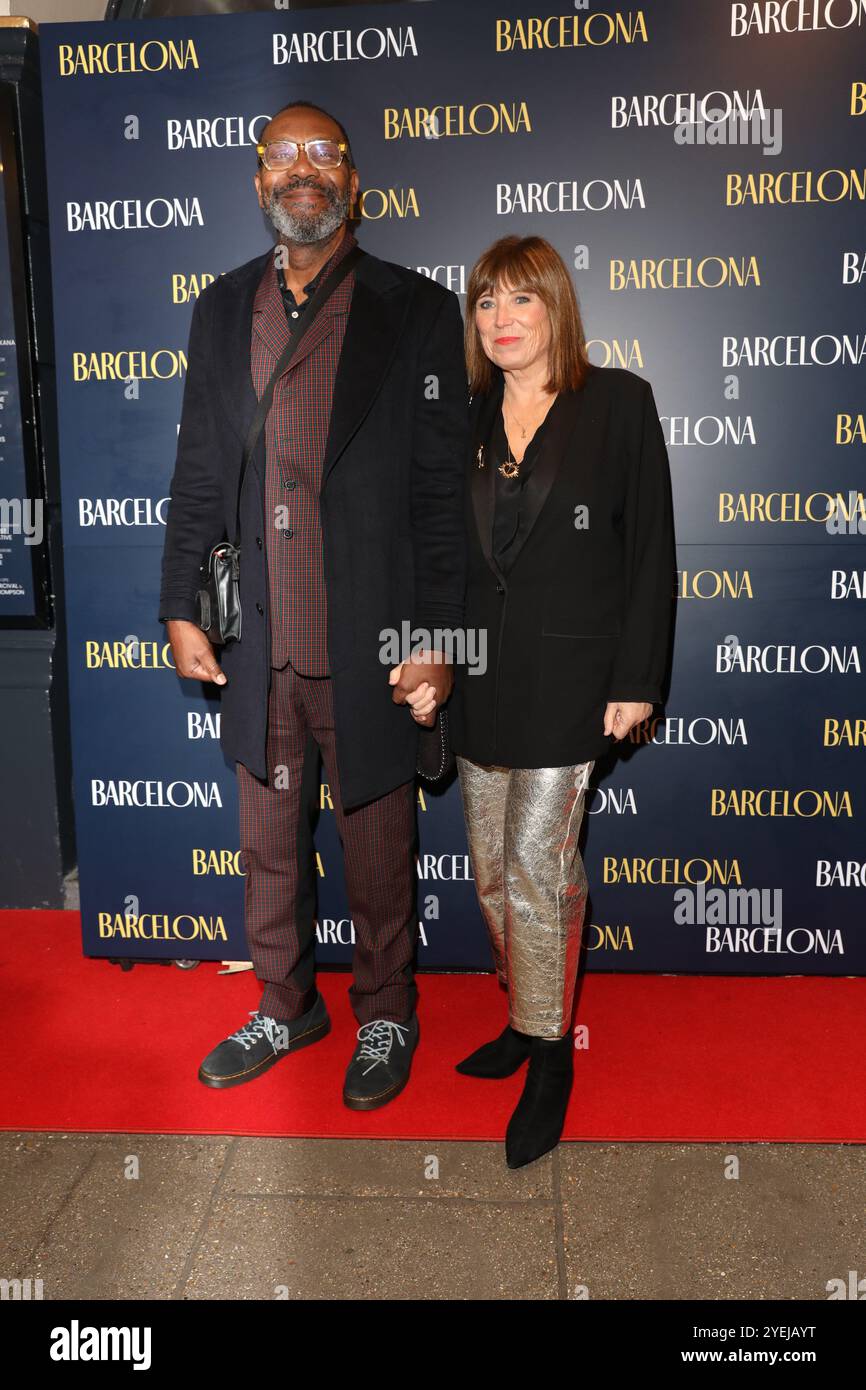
[(377, 1039), (261, 1026)]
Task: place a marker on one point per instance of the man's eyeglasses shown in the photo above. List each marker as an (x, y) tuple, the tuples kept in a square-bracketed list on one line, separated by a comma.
[(282, 154)]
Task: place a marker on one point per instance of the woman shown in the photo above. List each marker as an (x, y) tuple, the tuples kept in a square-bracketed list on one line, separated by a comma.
[(571, 573)]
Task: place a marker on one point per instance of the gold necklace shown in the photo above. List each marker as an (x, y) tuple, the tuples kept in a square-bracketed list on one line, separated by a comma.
[(517, 422), (510, 468), (523, 428)]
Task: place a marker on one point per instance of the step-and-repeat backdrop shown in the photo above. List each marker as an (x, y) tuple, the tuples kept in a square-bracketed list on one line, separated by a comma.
[(701, 168)]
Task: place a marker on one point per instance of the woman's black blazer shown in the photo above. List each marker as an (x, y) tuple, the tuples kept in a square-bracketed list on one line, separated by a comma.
[(584, 614)]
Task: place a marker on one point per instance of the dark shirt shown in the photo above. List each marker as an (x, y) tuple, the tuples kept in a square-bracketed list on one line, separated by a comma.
[(293, 307), (509, 491)]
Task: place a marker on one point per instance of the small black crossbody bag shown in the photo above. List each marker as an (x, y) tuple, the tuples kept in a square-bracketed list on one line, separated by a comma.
[(435, 756), (218, 603)]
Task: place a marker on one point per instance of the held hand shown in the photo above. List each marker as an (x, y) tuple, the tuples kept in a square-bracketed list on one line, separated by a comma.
[(422, 683), (620, 716), (192, 652)]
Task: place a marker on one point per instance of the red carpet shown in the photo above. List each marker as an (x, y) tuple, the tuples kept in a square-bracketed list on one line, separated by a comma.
[(675, 1058)]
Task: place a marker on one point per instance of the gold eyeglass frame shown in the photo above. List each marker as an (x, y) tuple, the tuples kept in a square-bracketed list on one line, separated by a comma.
[(261, 151)]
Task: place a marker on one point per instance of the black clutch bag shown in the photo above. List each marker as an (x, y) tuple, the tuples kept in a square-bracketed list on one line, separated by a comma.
[(218, 604), (218, 600), (435, 754)]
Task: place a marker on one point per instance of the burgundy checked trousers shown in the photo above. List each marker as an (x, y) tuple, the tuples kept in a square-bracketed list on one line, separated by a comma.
[(379, 841)]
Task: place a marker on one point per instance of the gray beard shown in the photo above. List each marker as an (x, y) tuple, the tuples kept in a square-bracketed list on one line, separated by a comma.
[(306, 227)]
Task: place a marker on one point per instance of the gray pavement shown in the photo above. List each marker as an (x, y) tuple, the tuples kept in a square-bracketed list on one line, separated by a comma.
[(144, 1216)]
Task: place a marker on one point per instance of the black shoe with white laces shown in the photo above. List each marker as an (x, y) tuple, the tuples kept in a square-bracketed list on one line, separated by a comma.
[(260, 1044), (380, 1067)]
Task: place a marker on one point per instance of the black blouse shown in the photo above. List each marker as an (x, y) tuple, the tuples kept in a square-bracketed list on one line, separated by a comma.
[(509, 491)]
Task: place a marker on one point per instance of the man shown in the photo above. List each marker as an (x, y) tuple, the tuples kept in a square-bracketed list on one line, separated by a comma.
[(350, 524)]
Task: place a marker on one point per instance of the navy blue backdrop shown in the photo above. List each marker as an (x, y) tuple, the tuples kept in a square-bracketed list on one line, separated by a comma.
[(725, 265)]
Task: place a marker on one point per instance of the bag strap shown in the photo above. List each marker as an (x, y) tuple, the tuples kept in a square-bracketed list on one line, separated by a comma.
[(311, 308)]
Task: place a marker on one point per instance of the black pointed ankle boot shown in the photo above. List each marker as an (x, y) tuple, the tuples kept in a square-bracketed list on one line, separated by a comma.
[(536, 1125), (499, 1058)]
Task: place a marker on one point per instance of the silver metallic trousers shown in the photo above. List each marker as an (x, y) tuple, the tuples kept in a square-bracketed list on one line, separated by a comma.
[(522, 826)]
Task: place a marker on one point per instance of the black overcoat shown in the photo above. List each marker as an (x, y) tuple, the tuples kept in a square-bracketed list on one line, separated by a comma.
[(584, 614), (391, 500)]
